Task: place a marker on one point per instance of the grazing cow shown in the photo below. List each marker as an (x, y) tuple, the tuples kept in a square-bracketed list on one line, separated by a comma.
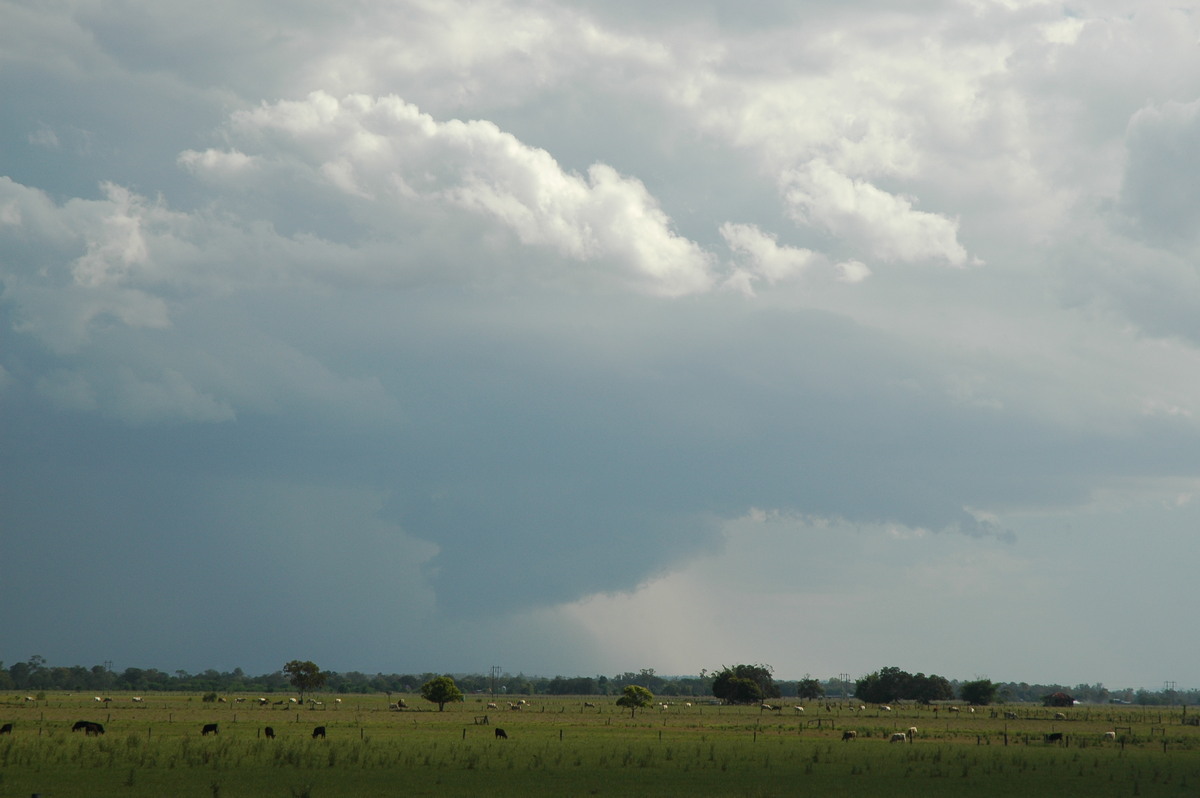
[(898, 737), (209, 728), (586, 705), (97, 699), (912, 732), (319, 732), (269, 733), (93, 729), (136, 699), (262, 702), (849, 735), (500, 735), (1010, 715), (337, 700), (952, 709), (1059, 716), (799, 709), (401, 704), (885, 709), (1110, 735), (6, 728), (29, 699), (80, 724), (1056, 737)]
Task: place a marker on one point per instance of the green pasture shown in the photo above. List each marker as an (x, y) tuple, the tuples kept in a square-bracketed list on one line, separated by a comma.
[(560, 747)]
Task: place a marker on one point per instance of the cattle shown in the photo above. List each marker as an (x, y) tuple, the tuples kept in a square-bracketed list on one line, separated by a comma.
[(1056, 737), (136, 699), (269, 733), (239, 700), (912, 731), (1010, 715), (492, 705), (209, 728), (6, 728), (262, 702), (93, 730), (1110, 735), (1059, 716), (800, 710), (885, 709), (29, 699), (80, 724), (500, 734), (849, 735), (97, 699), (898, 737), (319, 732)]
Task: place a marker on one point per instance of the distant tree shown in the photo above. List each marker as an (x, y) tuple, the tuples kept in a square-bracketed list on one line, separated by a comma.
[(927, 689), (808, 688), (884, 686), (979, 693), (635, 697), (441, 691), (305, 676), (744, 684)]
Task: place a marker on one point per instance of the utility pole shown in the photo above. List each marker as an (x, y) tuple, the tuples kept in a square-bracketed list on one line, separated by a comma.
[(495, 676)]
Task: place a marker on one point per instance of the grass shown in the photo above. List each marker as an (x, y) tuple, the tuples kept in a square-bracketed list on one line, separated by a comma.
[(557, 747)]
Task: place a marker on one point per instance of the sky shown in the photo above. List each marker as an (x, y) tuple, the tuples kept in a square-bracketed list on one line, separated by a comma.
[(579, 338)]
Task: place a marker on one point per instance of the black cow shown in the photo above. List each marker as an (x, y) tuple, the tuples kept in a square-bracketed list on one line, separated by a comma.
[(1056, 737), (94, 729), (209, 728), (319, 732), (269, 733), (849, 735), (500, 735), (79, 724), (6, 728)]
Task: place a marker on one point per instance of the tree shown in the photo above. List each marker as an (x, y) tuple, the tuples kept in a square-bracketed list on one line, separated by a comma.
[(744, 684), (927, 689), (980, 693), (305, 676), (809, 689), (441, 691), (635, 697), (884, 686)]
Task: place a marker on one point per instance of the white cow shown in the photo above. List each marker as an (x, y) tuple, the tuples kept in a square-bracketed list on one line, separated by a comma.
[(1110, 735), (898, 737), (912, 731)]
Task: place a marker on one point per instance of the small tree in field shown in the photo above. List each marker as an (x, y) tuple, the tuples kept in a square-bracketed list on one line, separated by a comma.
[(980, 693), (635, 697), (441, 691), (305, 676)]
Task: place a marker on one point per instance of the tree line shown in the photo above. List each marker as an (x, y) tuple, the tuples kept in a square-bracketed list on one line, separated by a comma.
[(735, 684)]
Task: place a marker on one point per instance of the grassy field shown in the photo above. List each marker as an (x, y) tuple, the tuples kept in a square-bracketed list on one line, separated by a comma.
[(560, 747)]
